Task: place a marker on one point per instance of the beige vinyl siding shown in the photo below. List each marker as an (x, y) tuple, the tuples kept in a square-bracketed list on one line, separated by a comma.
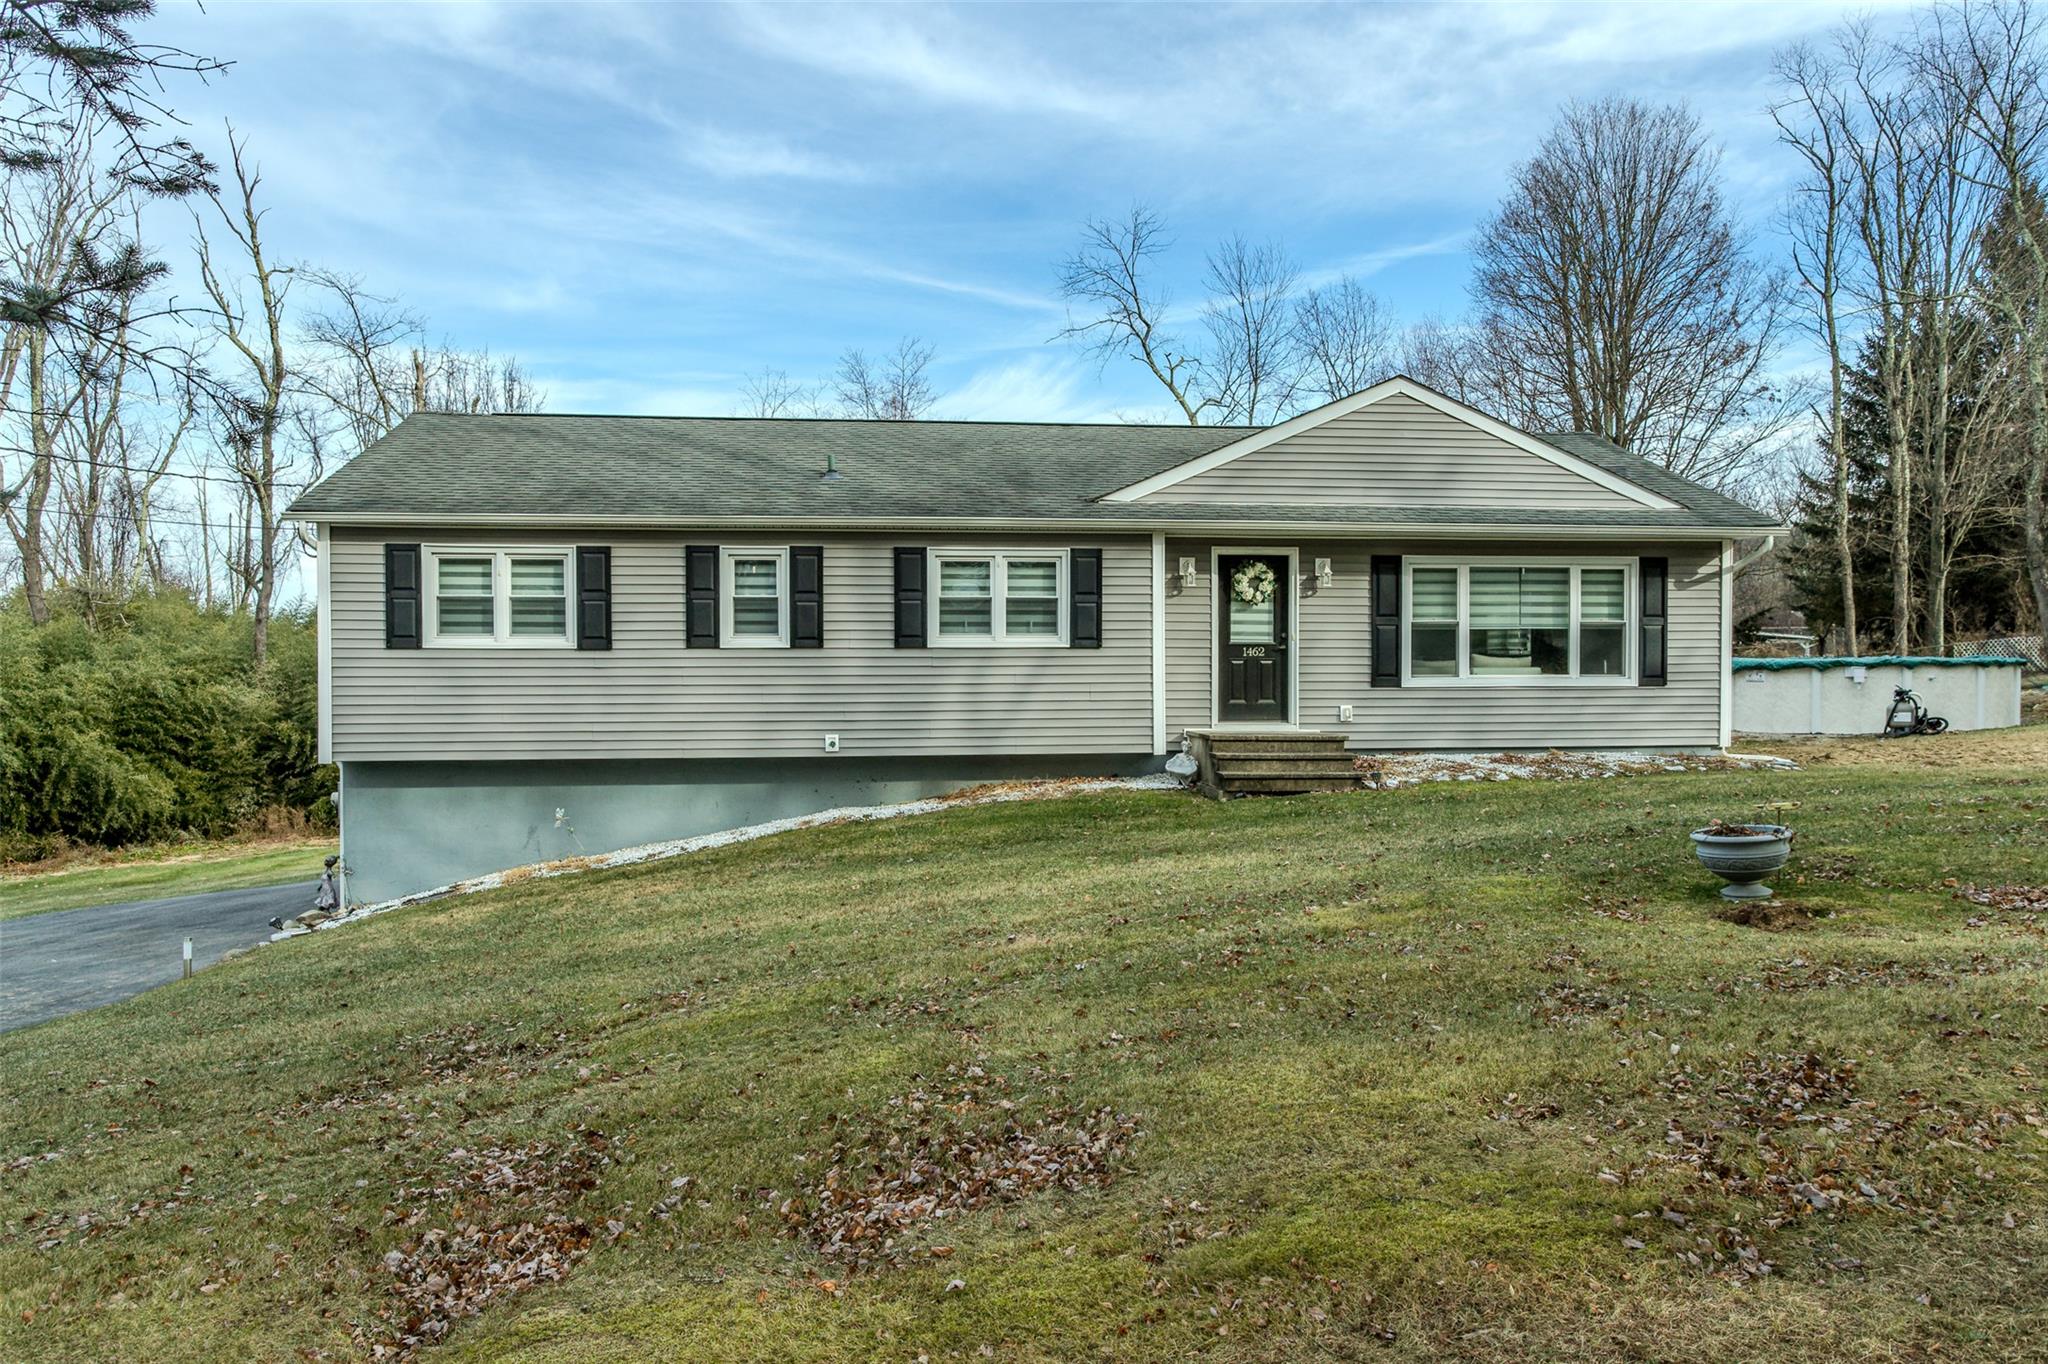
[(1190, 644), (1333, 637), (1396, 452), (650, 696)]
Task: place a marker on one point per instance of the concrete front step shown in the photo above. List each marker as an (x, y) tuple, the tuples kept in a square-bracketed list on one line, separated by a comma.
[(1286, 786), (1271, 762), (1231, 766), (1226, 741)]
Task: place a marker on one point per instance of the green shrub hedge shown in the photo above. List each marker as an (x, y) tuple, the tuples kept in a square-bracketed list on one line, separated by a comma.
[(154, 723)]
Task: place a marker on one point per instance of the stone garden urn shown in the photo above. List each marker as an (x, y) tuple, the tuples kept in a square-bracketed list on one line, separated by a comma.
[(1743, 855)]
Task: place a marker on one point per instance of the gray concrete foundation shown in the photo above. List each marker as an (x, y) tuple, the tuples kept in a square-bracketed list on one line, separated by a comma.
[(408, 827)]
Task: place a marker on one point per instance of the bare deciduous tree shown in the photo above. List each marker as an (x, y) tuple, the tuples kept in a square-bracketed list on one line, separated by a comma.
[(892, 387), (447, 378), (772, 393), (1252, 370), (1990, 58), (1902, 136), (1442, 354), (59, 225), (250, 404), (365, 365), (1250, 363), (1616, 296), (358, 345), (1343, 338), (1959, 457), (1123, 308), (1812, 121)]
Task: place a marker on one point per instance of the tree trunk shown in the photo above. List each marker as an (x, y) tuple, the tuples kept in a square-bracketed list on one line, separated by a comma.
[(1940, 549), (266, 570), (1902, 557), (1838, 447), (1901, 477), (34, 561)]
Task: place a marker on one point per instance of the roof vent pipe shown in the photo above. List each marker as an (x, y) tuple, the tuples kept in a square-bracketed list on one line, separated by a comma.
[(831, 474)]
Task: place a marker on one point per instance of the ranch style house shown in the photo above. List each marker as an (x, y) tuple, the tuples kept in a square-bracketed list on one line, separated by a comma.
[(550, 636)]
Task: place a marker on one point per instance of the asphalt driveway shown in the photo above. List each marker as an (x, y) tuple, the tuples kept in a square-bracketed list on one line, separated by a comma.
[(72, 959)]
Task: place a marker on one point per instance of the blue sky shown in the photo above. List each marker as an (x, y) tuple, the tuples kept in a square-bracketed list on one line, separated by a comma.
[(645, 203)]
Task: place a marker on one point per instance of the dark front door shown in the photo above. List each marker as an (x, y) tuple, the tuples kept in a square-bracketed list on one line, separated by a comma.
[(1255, 589)]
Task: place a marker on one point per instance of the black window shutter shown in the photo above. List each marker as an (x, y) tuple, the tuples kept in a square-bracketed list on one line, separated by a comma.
[(1085, 624), (700, 596), (910, 601), (1655, 652), (593, 597), (1386, 620), (807, 597), (402, 597)]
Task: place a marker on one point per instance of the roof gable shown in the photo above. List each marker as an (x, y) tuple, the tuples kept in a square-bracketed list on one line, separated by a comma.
[(1396, 444)]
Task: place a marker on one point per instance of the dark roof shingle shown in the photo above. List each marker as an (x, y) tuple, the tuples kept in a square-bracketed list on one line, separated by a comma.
[(456, 467)]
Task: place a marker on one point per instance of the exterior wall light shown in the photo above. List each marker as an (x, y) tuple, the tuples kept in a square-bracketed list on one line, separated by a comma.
[(1187, 572), (1324, 574)]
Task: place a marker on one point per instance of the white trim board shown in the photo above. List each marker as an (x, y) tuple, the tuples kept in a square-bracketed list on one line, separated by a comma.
[(1404, 387), (1159, 644), (323, 611), (1727, 567)]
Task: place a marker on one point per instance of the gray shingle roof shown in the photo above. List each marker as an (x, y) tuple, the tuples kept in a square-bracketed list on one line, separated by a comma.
[(1598, 450), (457, 467)]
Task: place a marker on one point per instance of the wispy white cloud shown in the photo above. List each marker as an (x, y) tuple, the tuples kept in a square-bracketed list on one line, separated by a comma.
[(747, 156), (1036, 387), (926, 53), (655, 200), (1366, 264)]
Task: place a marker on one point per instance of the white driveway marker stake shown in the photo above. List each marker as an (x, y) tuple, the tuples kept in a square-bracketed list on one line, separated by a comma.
[(188, 959)]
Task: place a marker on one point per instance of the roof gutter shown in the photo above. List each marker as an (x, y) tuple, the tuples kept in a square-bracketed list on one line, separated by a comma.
[(1327, 530)]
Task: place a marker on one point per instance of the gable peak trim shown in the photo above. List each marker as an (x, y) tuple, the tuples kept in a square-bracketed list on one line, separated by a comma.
[(1398, 386)]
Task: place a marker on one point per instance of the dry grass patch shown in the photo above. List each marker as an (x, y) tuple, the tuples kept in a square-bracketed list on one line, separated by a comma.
[(481, 1226), (2023, 746), (963, 1144), (1382, 1045)]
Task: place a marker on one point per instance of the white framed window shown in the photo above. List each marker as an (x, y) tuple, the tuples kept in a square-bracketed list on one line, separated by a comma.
[(753, 606), (1518, 622), (1015, 598), (497, 598)]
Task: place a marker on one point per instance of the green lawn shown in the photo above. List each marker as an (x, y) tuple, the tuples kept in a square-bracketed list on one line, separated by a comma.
[(1472, 1071), (154, 874)]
